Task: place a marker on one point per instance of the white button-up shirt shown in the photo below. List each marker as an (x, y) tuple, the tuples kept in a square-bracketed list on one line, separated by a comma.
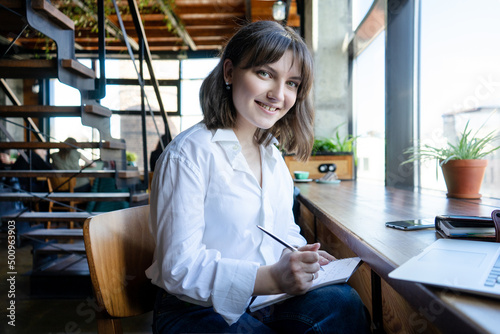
[(205, 205)]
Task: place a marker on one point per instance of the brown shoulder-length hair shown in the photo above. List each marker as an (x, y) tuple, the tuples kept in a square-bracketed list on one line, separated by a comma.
[(257, 44), (64, 152)]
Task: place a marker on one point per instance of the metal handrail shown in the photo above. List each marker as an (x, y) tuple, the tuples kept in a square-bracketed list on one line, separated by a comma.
[(100, 83), (134, 11), (145, 54)]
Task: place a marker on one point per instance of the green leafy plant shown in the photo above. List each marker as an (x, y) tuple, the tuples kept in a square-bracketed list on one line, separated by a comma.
[(334, 144), (469, 146), (131, 156)]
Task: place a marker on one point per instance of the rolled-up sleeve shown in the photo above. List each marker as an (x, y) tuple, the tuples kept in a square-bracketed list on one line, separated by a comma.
[(234, 283)]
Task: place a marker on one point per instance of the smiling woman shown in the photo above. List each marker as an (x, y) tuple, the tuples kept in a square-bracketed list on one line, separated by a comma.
[(218, 180)]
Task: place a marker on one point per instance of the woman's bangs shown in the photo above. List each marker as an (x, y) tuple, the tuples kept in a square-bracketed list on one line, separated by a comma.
[(267, 50)]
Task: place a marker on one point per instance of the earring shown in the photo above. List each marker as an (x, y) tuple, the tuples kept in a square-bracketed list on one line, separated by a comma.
[(228, 87)]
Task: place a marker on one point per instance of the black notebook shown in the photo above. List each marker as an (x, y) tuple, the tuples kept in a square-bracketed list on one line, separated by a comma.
[(473, 227)]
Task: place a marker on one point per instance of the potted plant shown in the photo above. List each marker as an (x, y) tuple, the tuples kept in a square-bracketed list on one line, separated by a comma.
[(334, 145), (463, 163), (338, 150), (131, 159)]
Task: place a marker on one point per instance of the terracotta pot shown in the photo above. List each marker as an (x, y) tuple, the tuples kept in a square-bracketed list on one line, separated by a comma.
[(464, 177)]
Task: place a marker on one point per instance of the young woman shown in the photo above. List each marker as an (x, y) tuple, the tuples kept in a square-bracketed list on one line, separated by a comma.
[(69, 159), (219, 179)]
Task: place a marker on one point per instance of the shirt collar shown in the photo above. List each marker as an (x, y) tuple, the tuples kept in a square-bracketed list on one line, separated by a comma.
[(224, 135), (229, 142), (269, 148)]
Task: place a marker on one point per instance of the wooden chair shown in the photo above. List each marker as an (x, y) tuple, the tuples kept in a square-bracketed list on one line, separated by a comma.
[(150, 179), (119, 249), (65, 184)]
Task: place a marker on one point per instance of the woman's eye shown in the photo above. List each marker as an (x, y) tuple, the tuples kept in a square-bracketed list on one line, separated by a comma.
[(293, 84), (263, 74)]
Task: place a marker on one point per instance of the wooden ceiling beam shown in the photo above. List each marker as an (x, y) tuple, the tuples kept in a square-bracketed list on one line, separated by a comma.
[(202, 24), (201, 4), (181, 31)]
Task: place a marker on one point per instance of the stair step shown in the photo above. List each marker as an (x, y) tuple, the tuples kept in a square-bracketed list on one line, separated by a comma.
[(76, 67), (128, 174), (69, 173), (66, 277), (73, 262), (52, 145), (28, 68), (139, 197), (79, 217), (67, 196), (52, 111), (114, 144), (54, 233), (97, 110), (40, 111), (45, 255), (62, 248), (41, 68), (55, 14)]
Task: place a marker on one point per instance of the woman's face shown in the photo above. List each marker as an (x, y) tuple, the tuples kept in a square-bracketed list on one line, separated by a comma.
[(264, 94)]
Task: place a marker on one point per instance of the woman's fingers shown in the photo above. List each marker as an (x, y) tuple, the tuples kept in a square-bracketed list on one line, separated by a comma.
[(299, 269), (310, 247), (305, 262), (325, 258), (307, 257)]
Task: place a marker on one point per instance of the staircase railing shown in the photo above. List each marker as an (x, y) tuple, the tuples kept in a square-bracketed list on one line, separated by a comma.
[(97, 90), (145, 54)]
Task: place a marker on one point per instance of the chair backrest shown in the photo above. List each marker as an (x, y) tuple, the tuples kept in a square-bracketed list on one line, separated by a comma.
[(61, 184), (119, 249)]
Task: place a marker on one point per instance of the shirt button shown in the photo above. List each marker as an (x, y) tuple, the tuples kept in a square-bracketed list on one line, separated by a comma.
[(236, 147)]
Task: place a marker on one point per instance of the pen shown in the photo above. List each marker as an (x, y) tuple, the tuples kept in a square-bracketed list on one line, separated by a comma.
[(283, 242)]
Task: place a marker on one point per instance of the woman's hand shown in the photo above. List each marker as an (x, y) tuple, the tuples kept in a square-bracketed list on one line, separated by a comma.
[(293, 273)]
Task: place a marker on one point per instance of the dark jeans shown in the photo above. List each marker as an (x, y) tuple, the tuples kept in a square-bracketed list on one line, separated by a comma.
[(330, 309)]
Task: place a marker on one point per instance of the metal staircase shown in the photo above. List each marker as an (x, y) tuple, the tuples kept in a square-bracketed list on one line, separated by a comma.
[(42, 16)]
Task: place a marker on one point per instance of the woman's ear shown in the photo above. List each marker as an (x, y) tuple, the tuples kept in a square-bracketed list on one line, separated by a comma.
[(228, 71)]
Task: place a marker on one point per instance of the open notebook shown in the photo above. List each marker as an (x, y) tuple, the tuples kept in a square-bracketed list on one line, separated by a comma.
[(334, 272), (471, 266)]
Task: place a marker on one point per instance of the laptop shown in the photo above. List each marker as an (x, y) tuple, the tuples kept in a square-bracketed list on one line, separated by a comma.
[(470, 266)]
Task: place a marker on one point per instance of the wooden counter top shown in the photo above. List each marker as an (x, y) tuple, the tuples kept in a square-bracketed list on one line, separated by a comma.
[(356, 212)]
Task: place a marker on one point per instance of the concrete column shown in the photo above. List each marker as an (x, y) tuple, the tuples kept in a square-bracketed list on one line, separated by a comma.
[(327, 25)]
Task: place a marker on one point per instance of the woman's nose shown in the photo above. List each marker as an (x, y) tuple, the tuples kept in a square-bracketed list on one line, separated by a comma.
[(276, 92)]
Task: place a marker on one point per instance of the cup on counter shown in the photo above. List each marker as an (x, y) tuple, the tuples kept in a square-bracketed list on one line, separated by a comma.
[(300, 175)]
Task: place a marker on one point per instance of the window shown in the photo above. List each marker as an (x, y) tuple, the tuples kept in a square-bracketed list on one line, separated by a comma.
[(367, 50), (459, 79), (193, 71), (434, 86), (369, 110)]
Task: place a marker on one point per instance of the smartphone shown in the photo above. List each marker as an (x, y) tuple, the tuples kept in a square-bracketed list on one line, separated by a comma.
[(411, 224)]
